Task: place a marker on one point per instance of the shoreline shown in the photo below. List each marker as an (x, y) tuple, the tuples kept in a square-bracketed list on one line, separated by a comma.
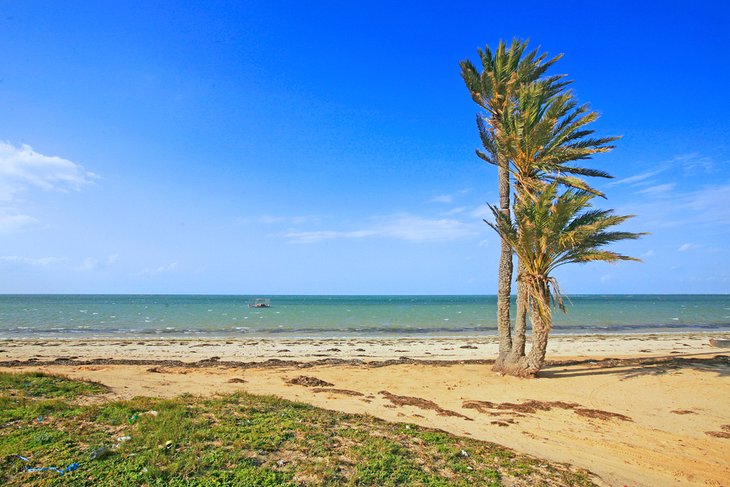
[(409, 333), (364, 349)]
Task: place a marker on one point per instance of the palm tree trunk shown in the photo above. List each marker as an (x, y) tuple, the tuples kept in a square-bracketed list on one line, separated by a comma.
[(540, 328), (505, 275), (530, 365), (520, 332)]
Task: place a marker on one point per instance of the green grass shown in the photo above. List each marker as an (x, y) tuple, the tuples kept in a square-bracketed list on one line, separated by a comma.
[(237, 439)]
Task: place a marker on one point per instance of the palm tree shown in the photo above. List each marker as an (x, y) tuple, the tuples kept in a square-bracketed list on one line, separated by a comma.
[(503, 73), (548, 231), (542, 135)]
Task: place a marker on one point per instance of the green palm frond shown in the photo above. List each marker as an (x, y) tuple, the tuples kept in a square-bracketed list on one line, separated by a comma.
[(543, 132), (549, 230)]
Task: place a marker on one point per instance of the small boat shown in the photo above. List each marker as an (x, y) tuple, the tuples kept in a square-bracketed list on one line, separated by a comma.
[(260, 303)]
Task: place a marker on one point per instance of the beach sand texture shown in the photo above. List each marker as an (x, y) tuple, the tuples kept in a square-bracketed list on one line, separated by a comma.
[(656, 415)]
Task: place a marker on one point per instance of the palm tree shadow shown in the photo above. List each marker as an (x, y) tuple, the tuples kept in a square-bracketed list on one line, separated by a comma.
[(638, 367)]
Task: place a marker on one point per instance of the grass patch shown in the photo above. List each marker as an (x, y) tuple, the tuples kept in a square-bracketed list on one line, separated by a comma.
[(237, 439), (38, 384)]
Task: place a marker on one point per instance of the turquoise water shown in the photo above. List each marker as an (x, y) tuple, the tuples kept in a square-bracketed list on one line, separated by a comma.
[(69, 316)]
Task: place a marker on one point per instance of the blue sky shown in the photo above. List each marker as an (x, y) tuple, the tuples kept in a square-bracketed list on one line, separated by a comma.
[(328, 147)]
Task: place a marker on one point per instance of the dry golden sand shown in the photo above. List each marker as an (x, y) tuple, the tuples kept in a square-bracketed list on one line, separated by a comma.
[(656, 421)]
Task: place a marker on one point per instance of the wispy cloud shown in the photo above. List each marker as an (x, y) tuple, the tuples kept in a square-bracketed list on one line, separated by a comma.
[(687, 246), (707, 206), (32, 261), (16, 222), (277, 219), (92, 263), (686, 163), (456, 211), (694, 161), (658, 189), (711, 204), (22, 167), (152, 271), (401, 226), (443, 198), (449, 198), (637, 178)]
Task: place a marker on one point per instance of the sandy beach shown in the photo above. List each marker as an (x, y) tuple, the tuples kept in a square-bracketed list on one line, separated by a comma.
[(638, 410)]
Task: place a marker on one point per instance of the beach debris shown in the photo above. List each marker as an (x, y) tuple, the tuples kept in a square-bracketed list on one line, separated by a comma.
[(307, 381), (100, 453), (151, 412), (532, 406), (120, 440), (237, 380), (719, 343), (166, 446), (60, 471), (725, 433), (133, 418), (464, 453), (345, 392), (421, 403)]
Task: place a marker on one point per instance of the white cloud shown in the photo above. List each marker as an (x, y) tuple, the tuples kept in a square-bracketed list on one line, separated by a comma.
[(456, 211), (638, 178), (151, 271), (274, 219), (443, 198), (449, 198), (711, 204), (706, 207), (15, 223), (31, 261), (22, 167), (693, 161), (687, 246), (92, 263), (401, 226), (89, 264), (481, 212), (658, 189), (269, 219)]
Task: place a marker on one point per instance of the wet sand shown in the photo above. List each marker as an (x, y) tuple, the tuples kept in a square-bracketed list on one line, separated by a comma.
[(639, 410)]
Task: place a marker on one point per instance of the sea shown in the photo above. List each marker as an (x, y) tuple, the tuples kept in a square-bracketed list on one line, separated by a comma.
[(200, 316)]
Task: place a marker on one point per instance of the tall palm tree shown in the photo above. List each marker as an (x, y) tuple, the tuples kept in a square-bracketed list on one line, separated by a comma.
[(542, 135), (550, 230), (503, 73)]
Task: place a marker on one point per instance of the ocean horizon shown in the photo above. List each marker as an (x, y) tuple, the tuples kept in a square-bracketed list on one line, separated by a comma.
[(334, 316)]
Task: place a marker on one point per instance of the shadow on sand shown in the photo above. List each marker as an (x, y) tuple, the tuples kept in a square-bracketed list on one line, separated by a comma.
[(637, 367)]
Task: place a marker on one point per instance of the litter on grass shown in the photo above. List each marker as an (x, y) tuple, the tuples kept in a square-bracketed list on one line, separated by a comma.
[(61, 471)]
